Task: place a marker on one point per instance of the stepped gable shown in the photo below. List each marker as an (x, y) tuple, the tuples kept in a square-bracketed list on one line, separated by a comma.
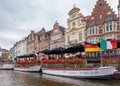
[(102, 8)]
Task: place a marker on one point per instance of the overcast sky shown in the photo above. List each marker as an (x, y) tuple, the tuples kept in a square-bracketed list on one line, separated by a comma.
[(19, 17)]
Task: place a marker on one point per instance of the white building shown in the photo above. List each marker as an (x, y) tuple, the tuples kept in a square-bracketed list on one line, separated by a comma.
[(23, 47), (18, 49), (12, 52)]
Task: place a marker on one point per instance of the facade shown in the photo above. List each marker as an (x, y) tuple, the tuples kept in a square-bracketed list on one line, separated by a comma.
[(102, 23), (43, 39), (30, 43), (23, 47), (36, 42), (119, 13), (18, 48), (12, 52), (75, 33), (5, 55), (57, 37)]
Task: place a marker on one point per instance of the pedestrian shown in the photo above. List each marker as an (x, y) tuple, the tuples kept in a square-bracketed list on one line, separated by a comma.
[(35, 56)]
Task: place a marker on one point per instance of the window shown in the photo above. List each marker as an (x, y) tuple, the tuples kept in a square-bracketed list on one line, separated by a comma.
[(100, 15), (55, 37), (93, 30), (107, 29), (90, 31), (110, 26), (80, 35), (68, 39), (100, 4), (96, 30), (73, 24)]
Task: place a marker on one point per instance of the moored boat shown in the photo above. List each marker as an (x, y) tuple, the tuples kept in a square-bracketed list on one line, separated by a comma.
[(27, 66), (6, 66), (73, 70), (101, 72), (35, 68)]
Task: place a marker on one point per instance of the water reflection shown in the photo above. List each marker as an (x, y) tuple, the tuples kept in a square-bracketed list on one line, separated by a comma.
[(16, 78)]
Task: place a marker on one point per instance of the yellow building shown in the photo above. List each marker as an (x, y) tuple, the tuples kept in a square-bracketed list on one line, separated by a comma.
[(75, 33)]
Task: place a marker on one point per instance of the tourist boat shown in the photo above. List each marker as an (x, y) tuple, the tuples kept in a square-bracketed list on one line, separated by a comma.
[(28, 66), (6, 66), (76, 72)]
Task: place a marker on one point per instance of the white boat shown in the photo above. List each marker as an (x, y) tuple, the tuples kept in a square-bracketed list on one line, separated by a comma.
[(35, 68), (100, 72), (6, 66)]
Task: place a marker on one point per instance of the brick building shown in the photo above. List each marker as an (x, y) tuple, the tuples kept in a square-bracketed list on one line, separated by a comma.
[(31, 42), (57, 37), (43, 39), (5, 55), (102, 23)]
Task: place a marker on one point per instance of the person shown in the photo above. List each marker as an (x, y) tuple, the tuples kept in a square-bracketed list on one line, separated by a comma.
[(35, 55)]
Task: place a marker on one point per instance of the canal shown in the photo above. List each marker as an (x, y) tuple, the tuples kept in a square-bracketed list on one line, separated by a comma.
[(16, 78)]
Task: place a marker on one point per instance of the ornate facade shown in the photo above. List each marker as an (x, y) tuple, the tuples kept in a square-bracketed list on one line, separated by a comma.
[(75, 33)]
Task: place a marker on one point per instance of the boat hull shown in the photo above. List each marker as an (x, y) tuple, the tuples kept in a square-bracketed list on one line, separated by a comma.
[(101, 72), (28, 69), (7, 66)]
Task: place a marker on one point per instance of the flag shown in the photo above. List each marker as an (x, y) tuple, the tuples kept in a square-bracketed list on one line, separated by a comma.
[(91, 48), (14, 59), (111, 44)]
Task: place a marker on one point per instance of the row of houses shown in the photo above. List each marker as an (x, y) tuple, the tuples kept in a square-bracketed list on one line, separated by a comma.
[(102, 23)]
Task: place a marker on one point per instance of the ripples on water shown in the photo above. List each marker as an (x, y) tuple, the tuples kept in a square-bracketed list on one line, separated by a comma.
[(16, 78)]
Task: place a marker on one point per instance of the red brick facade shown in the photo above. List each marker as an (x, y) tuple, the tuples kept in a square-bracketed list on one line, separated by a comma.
[(103, 23), (5, 55), (43, 39)]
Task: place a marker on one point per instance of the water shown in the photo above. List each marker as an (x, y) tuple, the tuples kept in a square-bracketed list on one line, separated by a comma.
[(16, 78)]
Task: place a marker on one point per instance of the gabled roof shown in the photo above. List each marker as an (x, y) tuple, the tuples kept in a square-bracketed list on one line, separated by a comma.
[(62, 29), (48, 33)]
